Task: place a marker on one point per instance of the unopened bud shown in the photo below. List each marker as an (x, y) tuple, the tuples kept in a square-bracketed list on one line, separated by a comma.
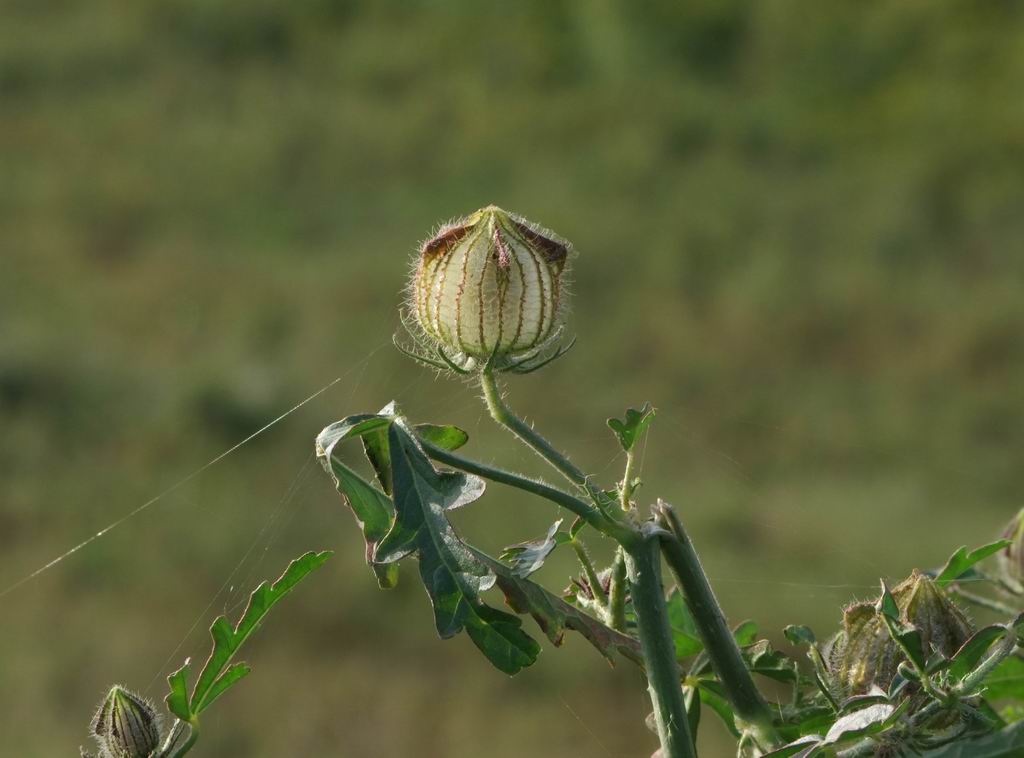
[(863, 653), (126, 726), (1011, 557), (489, 288)]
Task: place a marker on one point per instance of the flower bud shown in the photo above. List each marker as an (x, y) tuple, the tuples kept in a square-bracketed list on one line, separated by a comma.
[(126, 726), (863, 653), (1011, 557), (489, 288)]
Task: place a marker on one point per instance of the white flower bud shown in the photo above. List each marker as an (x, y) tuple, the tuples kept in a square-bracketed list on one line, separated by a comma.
[(489, 288)]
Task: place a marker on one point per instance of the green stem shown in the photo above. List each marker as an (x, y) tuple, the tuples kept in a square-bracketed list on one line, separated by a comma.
[(570, 502), (982, 602), (626, 491), (643, 563), (501, 413), (193, 737), (719, 643), (592, 578), (616, 617), (1005, 649)]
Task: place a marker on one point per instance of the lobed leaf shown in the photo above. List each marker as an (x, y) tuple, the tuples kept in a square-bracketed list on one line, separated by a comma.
[(962, 560), (628, 430)]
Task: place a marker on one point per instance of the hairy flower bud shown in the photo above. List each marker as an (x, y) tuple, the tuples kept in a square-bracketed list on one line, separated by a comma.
[(1011, 557), (863, 653), (488, 288), (126, 726)]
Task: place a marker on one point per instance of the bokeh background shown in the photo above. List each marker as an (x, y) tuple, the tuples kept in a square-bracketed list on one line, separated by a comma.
[(801, 236)]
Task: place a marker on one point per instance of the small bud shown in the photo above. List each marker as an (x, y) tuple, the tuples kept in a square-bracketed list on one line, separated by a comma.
[(1011, 557), (126, 726), (488, 288), (863, 653)]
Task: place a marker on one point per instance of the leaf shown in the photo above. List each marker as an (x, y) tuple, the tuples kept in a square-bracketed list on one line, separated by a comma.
[(684, 629), (745, 633), (177, 699), (764, 660), (799, 635), (629, 429), (371, 428), (372, 509), (908, 637), (971, 652), (453, 576), (859, 724), (447, 437), (553, 615), (801, 747), (962, 560), (713, 696), (527, 557), (887, 604), (1006, 743), (227, 640), (1006, 680)]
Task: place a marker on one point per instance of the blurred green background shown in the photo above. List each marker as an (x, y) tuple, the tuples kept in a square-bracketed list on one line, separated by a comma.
[(800, 227)]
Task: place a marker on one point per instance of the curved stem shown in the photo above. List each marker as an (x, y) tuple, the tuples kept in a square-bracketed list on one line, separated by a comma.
[(571, 503), (591, 573), (501, 413), (719, 643), (193, 737), (643, 563)]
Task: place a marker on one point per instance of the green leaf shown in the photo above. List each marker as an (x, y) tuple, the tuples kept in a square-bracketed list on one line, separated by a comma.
[(629, 429), (527, 557), (909, 639), (801, 746), (454, 577), (962, 560), (371, 428), (887, 604), (553, 615), (764, 660), (225, 681), (177, 699), (447, 437), (799, 635), (684, 629), (971, 652), (227, 640), (858, 724), (1006, 743), (372, 509), (713, 696), (1006, 680), (745, 633)]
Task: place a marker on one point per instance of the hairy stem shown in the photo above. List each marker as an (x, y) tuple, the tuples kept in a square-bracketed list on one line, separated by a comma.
[(643, 562), (719, 643), (193, 737), (570, 502), (626, 490), (616, 616), (591, 573), (501, 413)]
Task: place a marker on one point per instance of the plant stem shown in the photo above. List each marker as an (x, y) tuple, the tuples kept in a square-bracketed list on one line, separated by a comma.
[(981, 601), (616, 616), (193, 737), (973, 680), (570, 502), (592, 578), (626, 491), (643, 562), (719, 643), (501, 413)]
